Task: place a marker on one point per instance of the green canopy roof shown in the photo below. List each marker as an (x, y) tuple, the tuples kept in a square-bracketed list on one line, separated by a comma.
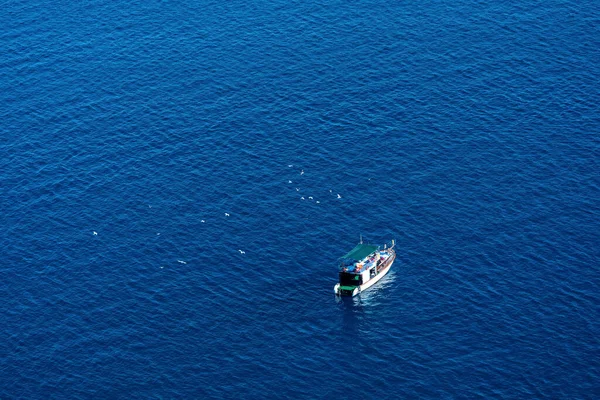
[(361, 251)]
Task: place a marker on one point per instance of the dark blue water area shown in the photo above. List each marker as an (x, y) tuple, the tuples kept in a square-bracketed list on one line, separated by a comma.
[(468, 131)]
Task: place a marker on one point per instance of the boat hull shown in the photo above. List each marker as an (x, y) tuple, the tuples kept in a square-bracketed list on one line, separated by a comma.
[(373, 281), (380, 275)]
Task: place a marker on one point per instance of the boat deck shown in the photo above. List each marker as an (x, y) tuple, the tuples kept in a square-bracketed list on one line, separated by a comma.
[(357, 268)]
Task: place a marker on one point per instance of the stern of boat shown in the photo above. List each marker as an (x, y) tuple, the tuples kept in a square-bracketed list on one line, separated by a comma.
[(346, 290)]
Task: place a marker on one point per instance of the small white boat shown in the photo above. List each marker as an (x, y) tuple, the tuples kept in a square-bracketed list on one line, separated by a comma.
[(362, 267)]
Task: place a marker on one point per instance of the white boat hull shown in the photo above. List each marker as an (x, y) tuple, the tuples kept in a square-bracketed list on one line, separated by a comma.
[(374, 280)]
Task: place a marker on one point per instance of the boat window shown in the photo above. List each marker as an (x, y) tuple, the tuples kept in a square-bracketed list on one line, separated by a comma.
[(350, 279)]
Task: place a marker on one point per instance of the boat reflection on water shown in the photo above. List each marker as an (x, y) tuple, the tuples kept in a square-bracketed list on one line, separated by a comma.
[(357, 311)]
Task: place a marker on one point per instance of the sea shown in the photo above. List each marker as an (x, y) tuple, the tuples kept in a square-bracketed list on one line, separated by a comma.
[(179, 179)]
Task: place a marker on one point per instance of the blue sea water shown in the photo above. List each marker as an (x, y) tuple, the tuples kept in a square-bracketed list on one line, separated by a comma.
[(468, 131)]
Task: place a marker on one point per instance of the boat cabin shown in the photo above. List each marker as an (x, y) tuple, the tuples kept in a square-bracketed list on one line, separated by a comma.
[(358, 266)]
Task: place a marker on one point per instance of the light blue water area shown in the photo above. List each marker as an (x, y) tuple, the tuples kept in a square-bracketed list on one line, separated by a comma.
[(466, 131)]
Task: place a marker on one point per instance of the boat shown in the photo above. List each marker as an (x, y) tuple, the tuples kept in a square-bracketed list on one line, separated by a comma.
[(363, 267)]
